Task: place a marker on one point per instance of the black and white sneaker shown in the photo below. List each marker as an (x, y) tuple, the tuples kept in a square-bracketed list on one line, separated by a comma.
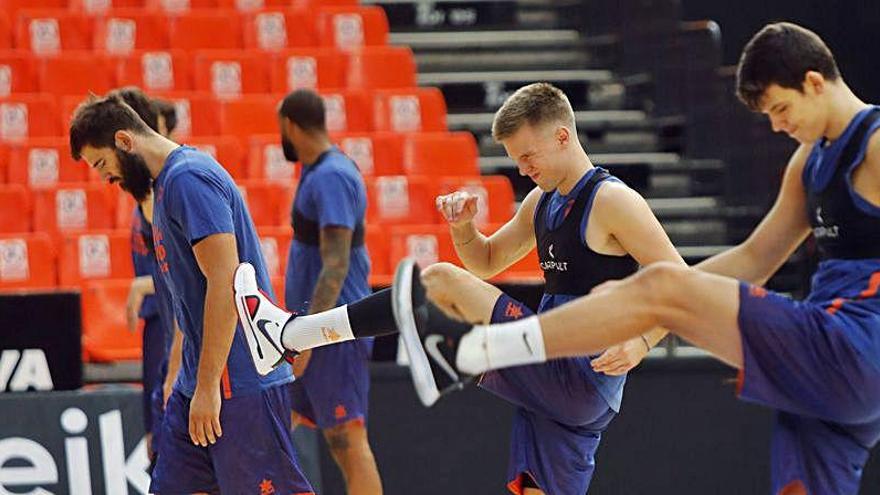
[(429, 336), (261, 320)]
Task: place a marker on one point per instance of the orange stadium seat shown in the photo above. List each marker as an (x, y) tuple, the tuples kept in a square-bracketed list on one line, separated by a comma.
[(378, 247), (75, 74), (5, 31), (16, 73), (409, 110), (250, 114), (180, 6), (266, 160), (13, 7), (428, 244), (105, 334), (27, 262), (16, 205), (123, 31), (229, 74), (28, 116), (274, 30), (227, 150), (43, 162), (251, 5), (348, 111), (163, 70), (376, 153), (401, 200), (316, 68), (268, 202), (124, 210), (94, 255), (441, 153), (47, 32), (198, 114), (274, 243), (205, 29), (350, 27), (494, 193), (95, 7), (377, 67), (75, 207)]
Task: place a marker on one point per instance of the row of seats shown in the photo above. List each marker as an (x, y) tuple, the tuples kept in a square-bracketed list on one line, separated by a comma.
[(47, 32), (223, 73), (202, 114), (46, 162), (171, 6), (394, 200)]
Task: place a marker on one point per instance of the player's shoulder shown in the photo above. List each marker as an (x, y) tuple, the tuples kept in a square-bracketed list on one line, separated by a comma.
[(872, 151)]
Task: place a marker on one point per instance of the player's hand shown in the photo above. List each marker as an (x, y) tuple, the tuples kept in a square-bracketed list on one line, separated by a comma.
[(136, 294), (301, 362), (204, 415), (619, 359), (457, 208)]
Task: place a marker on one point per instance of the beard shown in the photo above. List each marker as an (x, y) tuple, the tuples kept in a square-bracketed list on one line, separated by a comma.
[(290, 153), (136, 179)]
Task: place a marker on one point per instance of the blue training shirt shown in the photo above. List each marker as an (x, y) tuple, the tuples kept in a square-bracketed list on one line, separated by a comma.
[(195, 198), (331, 193)]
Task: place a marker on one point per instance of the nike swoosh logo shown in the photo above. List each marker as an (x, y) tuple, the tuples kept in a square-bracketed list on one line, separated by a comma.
[(432, 346), (261, 324), (528, 346)]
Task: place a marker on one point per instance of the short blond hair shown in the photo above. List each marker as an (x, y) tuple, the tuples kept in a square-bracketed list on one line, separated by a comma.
[(535, 104)]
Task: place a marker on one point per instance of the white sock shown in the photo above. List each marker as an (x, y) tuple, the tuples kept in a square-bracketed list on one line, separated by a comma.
[(502, 345), (309, 331)]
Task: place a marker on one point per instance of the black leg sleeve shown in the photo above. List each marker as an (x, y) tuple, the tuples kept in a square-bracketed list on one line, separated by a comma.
[(372, 316)]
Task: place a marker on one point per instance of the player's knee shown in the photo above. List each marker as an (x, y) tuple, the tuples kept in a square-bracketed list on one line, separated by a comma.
[(347, 440), (662, 283), (439, 273)]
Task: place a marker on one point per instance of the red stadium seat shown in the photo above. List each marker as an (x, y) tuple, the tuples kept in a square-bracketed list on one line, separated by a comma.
[(16, 205), (176, 7), (94, 255), (315, 68), (198, 114), (348, 28), (401, 200), (428, 244), (47, 32), (16, 73), (409, 110), (348, 111), (75, 207), (441, 153), (96, 7), (105, 331), (124, 211), (229, 74), (378, 247), (27, 261), (43, 162), (5, 31), (124, 31), (377, 153), (75, 74), (250, 114), (227, 150), (274, 30), (13, 7), (495, 193), (274, 243), (266, 160), (165, 70), (28, 116), (268, 202), (378, 67), (205, 29), (252, 5)]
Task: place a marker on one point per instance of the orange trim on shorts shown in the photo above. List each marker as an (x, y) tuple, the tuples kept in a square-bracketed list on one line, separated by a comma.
[(516, 485), (304, 421), (796, 487), (870, 291), (227, 386), (740, 380)]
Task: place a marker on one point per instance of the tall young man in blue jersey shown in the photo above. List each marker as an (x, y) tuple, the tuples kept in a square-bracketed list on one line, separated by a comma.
[(817, 361), (226, 427), (327, 266)]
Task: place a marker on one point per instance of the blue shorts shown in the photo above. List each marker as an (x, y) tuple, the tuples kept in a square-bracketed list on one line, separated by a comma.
[(335, 387), (803, 360), (154, 360), (559, 419), (254, 455)]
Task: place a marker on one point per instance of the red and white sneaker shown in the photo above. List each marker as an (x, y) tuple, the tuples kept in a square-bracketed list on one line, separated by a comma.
[(262, 321)]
